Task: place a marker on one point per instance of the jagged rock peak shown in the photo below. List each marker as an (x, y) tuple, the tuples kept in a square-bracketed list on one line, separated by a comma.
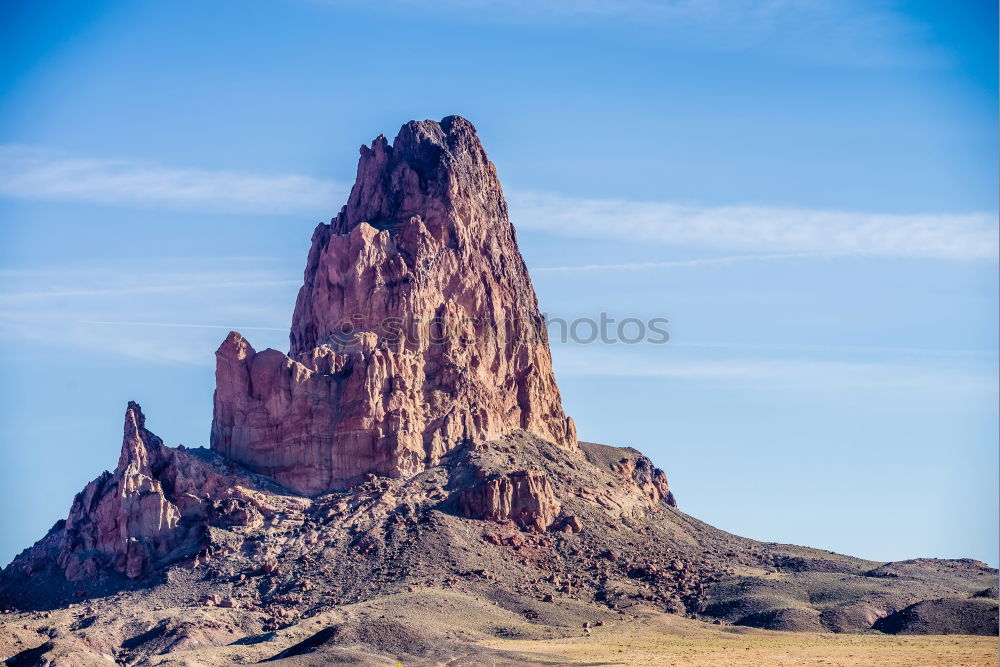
[(426, 161), (436, 192), (153, 509), (416, 329), (124, 517), (139, 446)]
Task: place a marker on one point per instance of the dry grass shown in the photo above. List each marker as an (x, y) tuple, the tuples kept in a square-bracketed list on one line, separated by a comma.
[(465, 628), (665, 640)]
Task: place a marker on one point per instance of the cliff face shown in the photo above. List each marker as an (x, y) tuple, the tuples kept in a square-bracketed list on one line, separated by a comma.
[(416, 329)]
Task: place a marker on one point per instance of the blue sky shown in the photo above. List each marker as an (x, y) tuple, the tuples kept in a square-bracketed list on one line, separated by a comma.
[(806, 189)]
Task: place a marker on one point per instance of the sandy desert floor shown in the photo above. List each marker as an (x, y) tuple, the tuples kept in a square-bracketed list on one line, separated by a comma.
[(447, 627), (669, 640)]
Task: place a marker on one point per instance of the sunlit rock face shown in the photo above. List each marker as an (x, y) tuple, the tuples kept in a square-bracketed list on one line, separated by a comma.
[(416, 329)]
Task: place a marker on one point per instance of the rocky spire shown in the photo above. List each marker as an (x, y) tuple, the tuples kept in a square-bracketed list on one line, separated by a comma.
[(140, 448), (154, 508), (124, 516), (416, 328)]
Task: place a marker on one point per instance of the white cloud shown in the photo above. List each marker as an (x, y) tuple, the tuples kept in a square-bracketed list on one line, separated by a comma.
[(34, 173), (677, 264), (766, 232), (190, 285), (811, 348), (184, 325), (166, 311), (777, 230), (794, 374), (847, 32)]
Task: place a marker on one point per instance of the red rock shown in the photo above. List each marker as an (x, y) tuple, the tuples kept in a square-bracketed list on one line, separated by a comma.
[(424, 246), (125, 515), (524, 497), (131, 520), (574, 524), (650, 480), (446, 342)]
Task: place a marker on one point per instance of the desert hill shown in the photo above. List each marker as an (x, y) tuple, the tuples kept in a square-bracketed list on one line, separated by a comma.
[(404, 484)]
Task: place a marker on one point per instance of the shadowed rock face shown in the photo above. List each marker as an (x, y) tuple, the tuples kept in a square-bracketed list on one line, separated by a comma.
[(416, 329)]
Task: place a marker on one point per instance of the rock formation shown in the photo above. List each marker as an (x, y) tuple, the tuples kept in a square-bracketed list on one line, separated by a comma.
[(155, 508), (524, 497), (125, 516), (413, 440), (417, 329)]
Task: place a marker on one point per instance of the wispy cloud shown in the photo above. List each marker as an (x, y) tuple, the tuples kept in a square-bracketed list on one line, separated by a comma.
[(847, 32), (35, 173), (183, 325), (854, 350), (763, 233), (192, 285), (165, 311), (779, 231), (818, 375), (678, 264)]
